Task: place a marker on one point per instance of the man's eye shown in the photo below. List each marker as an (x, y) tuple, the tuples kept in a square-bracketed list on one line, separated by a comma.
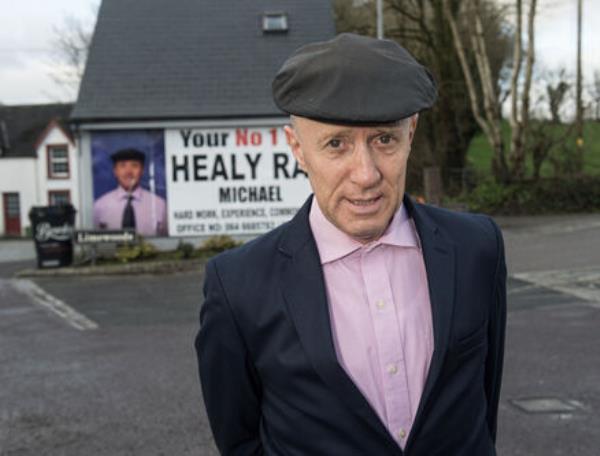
[(335, 143), (386, 139)]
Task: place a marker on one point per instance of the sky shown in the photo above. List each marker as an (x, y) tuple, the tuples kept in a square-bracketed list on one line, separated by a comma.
[(556, 35), (28, 56)]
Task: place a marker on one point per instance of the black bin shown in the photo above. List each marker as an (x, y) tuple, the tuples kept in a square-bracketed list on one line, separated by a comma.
[(52, 228)]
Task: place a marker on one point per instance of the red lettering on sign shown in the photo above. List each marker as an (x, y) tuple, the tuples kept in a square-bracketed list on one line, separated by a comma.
[(241, 137), (274, 136), (256, 138)]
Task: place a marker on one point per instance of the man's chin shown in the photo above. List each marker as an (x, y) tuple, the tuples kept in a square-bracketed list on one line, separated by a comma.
[(366, 234), (128, 187)]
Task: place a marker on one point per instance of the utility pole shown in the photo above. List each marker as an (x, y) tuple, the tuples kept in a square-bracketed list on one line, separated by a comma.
[(579, 113), (380, 19)]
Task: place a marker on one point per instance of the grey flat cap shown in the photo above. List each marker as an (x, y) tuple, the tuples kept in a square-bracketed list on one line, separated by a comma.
[(353, 79), (128, 154)]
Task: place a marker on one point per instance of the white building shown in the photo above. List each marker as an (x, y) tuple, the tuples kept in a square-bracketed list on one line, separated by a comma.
[(38, 163)]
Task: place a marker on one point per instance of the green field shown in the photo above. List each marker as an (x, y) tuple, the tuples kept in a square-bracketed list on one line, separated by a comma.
[(480, 152)]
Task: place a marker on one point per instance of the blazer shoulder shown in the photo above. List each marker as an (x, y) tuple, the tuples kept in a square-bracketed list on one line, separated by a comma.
[(252, 257), (466, 229)]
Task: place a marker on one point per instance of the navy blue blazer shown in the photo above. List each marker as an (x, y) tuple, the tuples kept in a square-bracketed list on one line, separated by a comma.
[(270, 378)]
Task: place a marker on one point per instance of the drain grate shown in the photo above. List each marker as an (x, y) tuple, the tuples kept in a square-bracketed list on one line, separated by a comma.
[(546, 405)]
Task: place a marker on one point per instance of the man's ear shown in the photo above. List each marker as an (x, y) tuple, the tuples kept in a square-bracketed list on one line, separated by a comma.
[(412, 127), (291, 136)]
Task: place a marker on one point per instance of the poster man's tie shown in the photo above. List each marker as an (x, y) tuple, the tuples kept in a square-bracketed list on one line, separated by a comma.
[(128, 214)]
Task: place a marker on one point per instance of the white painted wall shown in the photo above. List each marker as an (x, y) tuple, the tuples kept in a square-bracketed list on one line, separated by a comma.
[(29, 178), (18, 175), (57, 137)]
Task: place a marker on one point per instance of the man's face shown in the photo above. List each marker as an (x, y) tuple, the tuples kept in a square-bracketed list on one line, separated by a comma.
[(128, 173), (357, 173)]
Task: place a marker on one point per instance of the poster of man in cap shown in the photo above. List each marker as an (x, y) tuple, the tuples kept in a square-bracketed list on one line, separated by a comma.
[(129, 181)]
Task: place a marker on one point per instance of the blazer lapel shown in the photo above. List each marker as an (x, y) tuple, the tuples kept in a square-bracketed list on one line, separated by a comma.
[(439, 258), (306, 300)]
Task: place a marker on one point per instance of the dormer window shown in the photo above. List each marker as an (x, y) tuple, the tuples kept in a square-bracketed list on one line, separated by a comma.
[(274, 23)]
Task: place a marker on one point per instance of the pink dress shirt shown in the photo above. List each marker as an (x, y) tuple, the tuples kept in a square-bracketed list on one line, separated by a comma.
[(380, 315), (150, 211)]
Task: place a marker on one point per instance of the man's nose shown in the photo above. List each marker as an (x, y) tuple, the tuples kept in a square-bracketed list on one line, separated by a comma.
[(365, 172)]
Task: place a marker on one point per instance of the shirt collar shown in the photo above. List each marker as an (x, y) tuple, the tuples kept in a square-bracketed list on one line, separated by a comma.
[(136, 193), (334, 244)]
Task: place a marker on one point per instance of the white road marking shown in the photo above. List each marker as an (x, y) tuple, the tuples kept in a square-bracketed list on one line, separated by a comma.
[(582, 283), (54, 305), (521, 289)]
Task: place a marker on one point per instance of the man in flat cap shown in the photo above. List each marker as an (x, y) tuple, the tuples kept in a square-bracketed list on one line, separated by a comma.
[(368, 324), (129, 206)]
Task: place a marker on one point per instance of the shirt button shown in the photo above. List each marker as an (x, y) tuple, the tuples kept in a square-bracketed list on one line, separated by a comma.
[(401, 433), (380, 304), (392, 369)]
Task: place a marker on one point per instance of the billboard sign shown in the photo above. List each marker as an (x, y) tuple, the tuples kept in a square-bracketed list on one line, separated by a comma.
[(230, 180)]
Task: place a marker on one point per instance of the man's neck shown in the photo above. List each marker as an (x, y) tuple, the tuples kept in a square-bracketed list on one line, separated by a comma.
[(129, 190)]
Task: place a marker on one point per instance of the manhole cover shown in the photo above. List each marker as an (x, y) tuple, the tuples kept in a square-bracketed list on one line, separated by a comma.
[(546, 405)]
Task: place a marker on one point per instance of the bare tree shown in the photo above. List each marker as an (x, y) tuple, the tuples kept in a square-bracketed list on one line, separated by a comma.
[(357, 17), (519, 120), (557, 88), (445, 132), (579, 96), (486, 103), (72, 39), (595, 93)]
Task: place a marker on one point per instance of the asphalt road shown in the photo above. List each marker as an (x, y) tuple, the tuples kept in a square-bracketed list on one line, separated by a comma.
[(128, 387), (105, 365)]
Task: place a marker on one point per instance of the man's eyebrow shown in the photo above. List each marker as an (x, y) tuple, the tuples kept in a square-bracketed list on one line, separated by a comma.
[(330, 134)]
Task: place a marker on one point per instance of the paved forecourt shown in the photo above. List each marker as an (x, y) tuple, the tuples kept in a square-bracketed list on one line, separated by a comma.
[(105, 365)]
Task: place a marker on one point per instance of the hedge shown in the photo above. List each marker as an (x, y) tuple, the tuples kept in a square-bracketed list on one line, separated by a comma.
[(546, 196)]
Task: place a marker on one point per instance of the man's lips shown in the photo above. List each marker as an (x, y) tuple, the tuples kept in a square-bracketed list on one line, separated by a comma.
[(364, 201), (365, 205)]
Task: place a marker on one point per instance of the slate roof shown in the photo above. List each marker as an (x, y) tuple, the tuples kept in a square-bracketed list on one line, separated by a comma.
[(182, 59), (22, 126)]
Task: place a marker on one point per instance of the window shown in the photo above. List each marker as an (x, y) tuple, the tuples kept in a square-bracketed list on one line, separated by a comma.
[(58, 162), (59, 197), (274, 22)]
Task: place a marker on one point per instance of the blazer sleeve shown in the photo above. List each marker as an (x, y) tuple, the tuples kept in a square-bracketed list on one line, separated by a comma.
[(496, 333), (229, 381)]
